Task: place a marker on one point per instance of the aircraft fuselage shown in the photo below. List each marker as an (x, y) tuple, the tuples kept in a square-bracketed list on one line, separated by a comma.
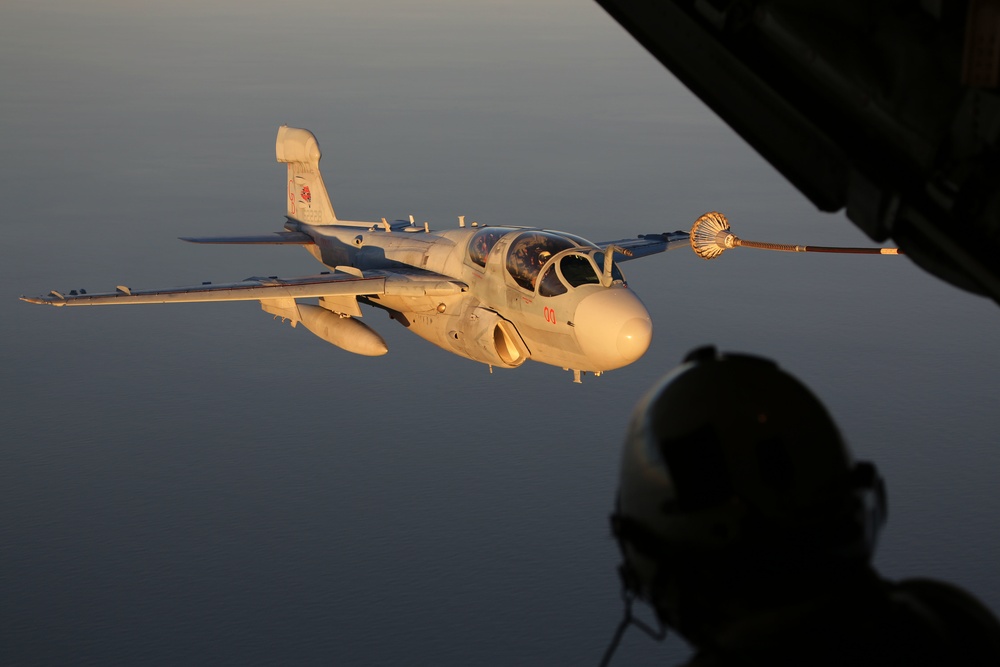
[(496, 295), (499, 319)]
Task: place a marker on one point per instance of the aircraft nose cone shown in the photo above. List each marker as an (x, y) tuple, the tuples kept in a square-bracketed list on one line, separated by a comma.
[(634, 337), (613, 328)]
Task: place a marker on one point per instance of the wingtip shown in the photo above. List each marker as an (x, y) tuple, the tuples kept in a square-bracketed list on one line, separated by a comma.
[(41, 300)]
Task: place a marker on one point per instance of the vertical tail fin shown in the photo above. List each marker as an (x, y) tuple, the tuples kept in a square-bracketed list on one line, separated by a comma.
[(308, 200)]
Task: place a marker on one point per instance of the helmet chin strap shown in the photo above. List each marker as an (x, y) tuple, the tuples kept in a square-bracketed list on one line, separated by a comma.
[(628, 597), (864, 478)]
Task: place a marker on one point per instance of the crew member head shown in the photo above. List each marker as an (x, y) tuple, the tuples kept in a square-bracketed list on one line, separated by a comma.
[(738, 494)]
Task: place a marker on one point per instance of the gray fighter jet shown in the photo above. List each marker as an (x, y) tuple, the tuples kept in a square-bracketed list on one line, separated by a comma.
[(496, 295)]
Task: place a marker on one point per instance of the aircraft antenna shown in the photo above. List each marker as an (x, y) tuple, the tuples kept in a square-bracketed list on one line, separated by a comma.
[(710, 237)]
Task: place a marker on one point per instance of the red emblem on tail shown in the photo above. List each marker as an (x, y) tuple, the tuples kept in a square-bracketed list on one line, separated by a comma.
[(306, 195)]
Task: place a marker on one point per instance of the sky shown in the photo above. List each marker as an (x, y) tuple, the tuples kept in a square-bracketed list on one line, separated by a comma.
[(200, 482)]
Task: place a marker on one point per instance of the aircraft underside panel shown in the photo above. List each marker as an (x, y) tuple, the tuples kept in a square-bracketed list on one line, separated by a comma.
[(557, 346), (473, 332)]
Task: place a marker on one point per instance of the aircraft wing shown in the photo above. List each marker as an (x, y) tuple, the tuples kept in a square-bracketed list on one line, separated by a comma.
[(275, 238), (338, 283), (648, 244)]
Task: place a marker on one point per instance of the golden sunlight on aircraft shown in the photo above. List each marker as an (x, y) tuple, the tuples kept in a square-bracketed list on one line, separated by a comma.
[(496, 295)]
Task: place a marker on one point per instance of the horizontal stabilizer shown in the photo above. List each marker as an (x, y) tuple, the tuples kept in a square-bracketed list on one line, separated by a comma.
[(275, 238)]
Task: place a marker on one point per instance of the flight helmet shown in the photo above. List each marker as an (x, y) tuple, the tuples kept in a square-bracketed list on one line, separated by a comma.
[(736, 485)]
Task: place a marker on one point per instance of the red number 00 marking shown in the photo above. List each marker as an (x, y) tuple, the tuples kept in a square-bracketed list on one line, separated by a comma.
[(550, 315)]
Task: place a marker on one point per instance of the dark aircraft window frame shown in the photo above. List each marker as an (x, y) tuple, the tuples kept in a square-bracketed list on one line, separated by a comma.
[(574, 269), (551, 283), (577, 269), (616, 273)]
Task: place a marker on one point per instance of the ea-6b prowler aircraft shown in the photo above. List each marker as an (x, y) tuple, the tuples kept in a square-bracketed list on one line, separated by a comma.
[(496, 295)]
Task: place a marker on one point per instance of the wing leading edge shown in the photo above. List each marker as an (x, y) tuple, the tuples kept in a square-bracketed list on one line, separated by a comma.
[(648, 244), (253, 289)]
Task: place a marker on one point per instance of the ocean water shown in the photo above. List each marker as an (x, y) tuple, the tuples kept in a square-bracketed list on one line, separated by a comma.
[(199, 483)]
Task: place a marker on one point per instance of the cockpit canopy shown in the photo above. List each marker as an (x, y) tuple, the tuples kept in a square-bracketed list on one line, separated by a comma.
[(483, 241), (575, 269), (530, 251)]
